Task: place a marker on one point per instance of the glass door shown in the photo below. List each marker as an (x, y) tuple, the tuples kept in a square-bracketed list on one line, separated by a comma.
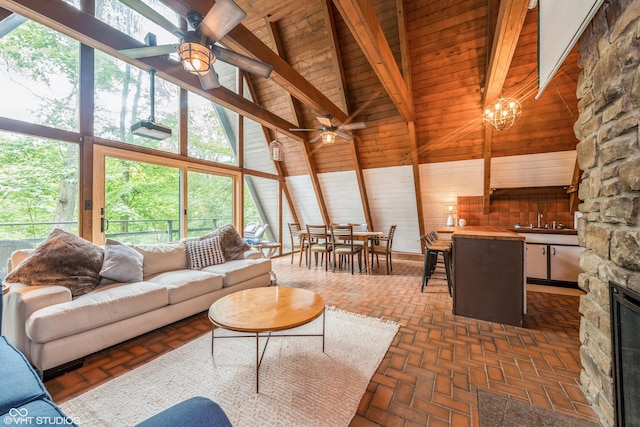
[(210, 202)]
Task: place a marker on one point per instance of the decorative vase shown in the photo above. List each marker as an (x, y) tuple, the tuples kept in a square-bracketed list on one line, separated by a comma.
[(462, 222)]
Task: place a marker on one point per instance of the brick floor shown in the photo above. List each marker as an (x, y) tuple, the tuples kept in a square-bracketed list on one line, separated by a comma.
[(437, 362)]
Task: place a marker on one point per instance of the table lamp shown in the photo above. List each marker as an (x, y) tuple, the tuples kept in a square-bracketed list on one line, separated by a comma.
[(451, 210)]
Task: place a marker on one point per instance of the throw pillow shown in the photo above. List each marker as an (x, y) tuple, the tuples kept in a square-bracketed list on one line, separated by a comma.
[(203, 253), (121, 263), (231, 242), (63, 259)]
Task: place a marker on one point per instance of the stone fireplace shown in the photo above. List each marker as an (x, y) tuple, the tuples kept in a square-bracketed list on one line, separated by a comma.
[(609, 154)]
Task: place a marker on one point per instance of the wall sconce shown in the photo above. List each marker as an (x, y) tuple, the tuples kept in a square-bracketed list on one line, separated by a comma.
[(451, 211)]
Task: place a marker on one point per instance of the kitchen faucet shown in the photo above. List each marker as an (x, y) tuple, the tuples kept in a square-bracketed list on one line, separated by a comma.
[(539, 218)]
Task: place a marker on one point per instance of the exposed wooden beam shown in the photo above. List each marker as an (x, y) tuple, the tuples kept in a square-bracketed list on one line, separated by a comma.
[(353, 144), (88, 30), (365, 28), (486, 199), (306, 149), (335, 48), (510, 21), (241, 40)]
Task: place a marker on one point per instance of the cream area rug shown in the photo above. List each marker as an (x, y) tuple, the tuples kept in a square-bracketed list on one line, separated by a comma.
[(299, 384)]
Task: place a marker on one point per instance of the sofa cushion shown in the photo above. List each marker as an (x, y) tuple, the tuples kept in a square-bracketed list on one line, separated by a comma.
[(107, 304), (186, 284), (202, 253), (63, 259), (20, 383), (240, 270), (161, 257), (121, 263)]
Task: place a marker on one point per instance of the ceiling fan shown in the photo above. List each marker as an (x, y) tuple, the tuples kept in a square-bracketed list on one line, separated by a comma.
[(197, 49), (329, 132)]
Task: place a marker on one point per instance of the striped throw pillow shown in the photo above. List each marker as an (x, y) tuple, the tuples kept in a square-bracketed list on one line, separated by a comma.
[(203, 253)]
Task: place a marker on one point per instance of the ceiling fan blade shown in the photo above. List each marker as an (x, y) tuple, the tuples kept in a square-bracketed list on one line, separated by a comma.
[(147, 51), (325, 121), (316, 138), (353, 126), (344, 135), (305, 130), (210, 80), (221, 18), (153, 16), (243, 62)]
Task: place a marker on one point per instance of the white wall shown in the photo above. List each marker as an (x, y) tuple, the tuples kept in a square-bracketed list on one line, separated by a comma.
[(304, 199), (392, 200), (442, 183), (342, 197), (533, 170)]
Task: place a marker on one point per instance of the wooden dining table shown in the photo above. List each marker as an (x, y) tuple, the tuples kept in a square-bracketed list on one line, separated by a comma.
[(363, 236)]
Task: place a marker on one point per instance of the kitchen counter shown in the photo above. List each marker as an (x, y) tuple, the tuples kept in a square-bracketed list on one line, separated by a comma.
[(564, 231)]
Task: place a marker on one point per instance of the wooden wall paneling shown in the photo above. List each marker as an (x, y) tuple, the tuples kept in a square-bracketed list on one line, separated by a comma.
[(86, 108)]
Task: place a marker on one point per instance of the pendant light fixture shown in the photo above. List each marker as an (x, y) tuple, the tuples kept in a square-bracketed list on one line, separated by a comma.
[(275, 150), (502, 113)]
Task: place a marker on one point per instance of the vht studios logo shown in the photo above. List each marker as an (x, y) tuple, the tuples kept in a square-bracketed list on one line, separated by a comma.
[(21, 417)]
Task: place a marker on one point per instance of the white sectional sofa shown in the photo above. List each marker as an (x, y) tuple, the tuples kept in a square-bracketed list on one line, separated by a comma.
[(53, 329)]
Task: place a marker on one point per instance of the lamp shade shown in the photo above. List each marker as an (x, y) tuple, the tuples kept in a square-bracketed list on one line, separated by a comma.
[(328, 137), (275, 151), (196, 58)]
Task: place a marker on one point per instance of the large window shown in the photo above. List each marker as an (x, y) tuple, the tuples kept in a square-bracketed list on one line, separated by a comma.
[(38, 191), (212, 131), (210, 202), (39, 75), (123, 98)]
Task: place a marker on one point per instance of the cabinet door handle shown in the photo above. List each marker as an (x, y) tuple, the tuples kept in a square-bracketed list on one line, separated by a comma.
[(554, 251), (544, 250)]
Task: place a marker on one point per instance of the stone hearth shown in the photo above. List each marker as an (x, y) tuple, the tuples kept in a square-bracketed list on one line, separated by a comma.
[(609, 155)]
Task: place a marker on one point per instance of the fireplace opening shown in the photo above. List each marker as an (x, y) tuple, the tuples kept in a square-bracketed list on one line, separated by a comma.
[(625, 345)]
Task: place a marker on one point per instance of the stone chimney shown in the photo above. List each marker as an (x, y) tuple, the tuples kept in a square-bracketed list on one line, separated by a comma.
[(609, 155)]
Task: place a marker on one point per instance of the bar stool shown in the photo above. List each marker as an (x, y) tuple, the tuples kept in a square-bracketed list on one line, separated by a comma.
[(433, 248)]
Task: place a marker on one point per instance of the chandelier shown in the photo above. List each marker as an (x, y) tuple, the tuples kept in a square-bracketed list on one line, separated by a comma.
[(502, 113)]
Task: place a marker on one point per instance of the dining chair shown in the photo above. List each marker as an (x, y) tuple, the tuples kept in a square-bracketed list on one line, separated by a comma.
[(343, 246), (383, 246), (294, 231), (319, 243)]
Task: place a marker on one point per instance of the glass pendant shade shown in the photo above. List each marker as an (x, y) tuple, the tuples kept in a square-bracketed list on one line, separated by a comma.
[(328, 137), (196, 58), (276, 151)]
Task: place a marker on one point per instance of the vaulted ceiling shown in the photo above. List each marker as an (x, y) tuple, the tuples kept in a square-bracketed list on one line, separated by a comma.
[(418, 72)]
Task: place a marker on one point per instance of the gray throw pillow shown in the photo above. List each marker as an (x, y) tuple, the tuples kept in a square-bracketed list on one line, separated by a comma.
[(121, 263), (63, 259)]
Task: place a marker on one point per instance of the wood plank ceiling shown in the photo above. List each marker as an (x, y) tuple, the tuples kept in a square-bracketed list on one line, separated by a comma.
[(414, 70)]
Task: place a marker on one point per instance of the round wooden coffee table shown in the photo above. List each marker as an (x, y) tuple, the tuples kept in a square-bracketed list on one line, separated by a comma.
[(261, 311)]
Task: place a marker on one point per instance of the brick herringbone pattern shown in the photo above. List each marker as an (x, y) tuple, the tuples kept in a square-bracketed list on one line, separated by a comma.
[(435, 365)]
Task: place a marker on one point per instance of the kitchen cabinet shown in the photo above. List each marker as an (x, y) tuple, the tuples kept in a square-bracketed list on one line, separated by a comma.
[(488, 275), (537, 262), (563, 263), (552, 259)]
